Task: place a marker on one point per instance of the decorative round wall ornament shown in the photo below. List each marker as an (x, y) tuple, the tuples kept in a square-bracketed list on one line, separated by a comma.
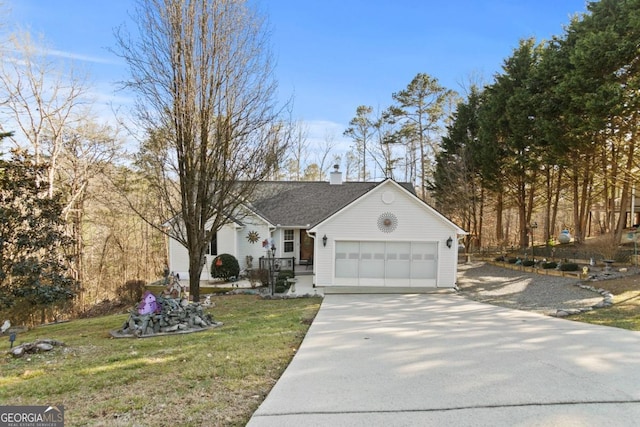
[(253, 236), (387, 222)]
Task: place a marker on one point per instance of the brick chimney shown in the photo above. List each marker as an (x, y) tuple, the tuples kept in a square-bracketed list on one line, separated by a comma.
[(335, 177)]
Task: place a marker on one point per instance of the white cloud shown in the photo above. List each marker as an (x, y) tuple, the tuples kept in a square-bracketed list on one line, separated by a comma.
[(321, 132), (79, 57)]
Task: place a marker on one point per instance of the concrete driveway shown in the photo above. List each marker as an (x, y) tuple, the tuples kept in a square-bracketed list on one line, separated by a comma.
[(442, 360)]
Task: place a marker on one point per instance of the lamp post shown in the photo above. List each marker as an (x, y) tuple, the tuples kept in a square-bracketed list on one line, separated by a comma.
[(272, 269)]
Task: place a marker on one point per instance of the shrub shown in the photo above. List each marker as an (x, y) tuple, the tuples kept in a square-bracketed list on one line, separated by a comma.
[(131, 292), (549, 265), (528, 263), (569, 266), (281, 281), (225, 266)]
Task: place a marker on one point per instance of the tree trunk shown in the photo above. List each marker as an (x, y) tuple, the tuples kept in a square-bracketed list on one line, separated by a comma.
[(78, 264), (196, 264), (582, 180), (481, 219), (626, 190), (499, 225), (546, 232), (522, 213), (556, 201)]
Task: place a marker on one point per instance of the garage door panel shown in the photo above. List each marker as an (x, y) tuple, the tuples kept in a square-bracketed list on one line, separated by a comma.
[(424, 260), (372, 260), (398, 260), (386, 263), (347, 257)]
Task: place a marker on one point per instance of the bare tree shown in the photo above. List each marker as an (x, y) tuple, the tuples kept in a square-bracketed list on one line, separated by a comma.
[(361, 129), (42, 99), (299, 149), (322, 155), (383, 151), (86, 150), (202, 71), (351, 170)]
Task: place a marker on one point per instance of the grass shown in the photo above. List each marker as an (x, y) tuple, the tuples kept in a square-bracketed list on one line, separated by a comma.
[(216, 377), (625, 312)]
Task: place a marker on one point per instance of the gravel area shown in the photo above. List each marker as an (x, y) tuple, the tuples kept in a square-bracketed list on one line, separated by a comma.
[(521, 290)]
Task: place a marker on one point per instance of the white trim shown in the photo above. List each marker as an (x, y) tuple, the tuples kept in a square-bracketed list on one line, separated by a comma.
[(415, 198)]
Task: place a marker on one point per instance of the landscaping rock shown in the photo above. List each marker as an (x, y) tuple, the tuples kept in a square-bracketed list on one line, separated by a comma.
[(44, 347), (174, 316), (37, 346)]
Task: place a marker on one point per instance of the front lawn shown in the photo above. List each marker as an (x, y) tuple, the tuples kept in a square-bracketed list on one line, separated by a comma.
[(215, 377), (625, 312)]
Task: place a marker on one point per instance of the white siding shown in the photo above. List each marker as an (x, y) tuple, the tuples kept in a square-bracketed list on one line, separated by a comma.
[(245, 247), (226, 245), (178, 259), (278, 241), (232, 239), (179, 256), (416, 222)]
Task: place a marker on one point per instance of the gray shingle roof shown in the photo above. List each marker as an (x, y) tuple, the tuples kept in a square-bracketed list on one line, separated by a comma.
[(298, 203)]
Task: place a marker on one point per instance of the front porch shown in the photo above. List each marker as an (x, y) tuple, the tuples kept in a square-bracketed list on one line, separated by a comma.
[(277, 264)]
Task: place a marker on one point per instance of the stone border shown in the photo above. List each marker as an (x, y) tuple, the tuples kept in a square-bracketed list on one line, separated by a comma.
[(607, 301), (536, 270), (117, 334)]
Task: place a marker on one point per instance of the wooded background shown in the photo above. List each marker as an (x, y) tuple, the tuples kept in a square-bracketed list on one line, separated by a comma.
[(548, 144)]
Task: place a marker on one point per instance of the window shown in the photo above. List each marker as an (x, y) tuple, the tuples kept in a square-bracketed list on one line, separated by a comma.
[(213, 245), (288, 240)]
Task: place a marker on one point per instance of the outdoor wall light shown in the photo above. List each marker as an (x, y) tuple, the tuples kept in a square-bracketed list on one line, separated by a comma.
[(449, 242), (324, 240)]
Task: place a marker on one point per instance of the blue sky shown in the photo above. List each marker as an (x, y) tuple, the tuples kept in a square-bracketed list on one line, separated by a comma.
[(332, 55)]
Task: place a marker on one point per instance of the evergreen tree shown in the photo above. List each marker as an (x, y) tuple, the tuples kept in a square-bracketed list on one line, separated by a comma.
[(32, 239), (457, 185)]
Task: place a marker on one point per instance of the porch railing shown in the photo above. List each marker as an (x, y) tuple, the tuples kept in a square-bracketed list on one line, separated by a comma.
[(274, 266), (277, 264)]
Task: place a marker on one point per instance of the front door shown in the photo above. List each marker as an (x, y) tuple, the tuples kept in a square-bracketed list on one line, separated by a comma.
[(306, 247)]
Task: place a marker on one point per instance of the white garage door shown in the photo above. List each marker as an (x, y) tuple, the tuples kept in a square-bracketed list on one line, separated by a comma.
[(386, 263)]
